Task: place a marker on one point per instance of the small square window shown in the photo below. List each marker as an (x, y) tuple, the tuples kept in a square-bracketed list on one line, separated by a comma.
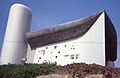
[(66, 55), (42, 50), (65, 45), (72, 57), (77, 56), (55, 47), (56, 56), (58, 51), (72, 45), (46, 47), (39, 57)]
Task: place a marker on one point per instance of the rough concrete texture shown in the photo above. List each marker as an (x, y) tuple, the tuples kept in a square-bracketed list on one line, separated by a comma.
[(67, 76), (96, 76)]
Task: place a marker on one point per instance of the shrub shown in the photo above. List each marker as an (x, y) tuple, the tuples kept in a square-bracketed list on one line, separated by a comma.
[(27, 70)]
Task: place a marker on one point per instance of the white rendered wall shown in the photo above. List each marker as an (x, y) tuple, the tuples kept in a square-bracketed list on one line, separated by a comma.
[(30, 55), (89, 48), (14, 45)]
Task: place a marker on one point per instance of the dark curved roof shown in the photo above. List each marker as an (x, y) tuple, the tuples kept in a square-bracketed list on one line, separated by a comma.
[(62, 32), (74, 29)]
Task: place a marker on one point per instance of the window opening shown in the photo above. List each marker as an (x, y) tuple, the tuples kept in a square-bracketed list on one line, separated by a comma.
[(72, 56), (46, 47), (55, 47), (65, 45), (66, 55), (43, 51), (77, 56), (39, 57), (56, 56)]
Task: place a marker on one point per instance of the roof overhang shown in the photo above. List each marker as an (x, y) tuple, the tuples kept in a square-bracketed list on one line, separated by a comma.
[(61, 32)]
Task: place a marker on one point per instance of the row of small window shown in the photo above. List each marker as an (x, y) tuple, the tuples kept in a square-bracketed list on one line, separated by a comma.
[(43, 52), (73, 56), (58, 52), (55, 57), (55, 47)]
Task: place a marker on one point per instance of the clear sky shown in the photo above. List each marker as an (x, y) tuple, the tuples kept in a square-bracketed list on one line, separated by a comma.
[(47, 13)]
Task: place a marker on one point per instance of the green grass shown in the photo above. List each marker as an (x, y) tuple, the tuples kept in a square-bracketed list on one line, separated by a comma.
[(27, 70)]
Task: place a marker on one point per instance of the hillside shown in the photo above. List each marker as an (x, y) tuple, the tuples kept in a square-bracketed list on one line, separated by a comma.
[(76, 70), (81, 70)]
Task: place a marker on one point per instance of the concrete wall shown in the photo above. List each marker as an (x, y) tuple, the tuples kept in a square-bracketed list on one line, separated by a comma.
[(30, 55), (90, 48), (14, 45)]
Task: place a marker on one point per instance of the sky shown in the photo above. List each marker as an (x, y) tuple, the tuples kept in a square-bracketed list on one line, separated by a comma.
[(48, 13)]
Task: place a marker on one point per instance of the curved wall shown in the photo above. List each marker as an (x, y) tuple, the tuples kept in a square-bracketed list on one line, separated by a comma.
[(90, 48), (110, 40), (14, 45)]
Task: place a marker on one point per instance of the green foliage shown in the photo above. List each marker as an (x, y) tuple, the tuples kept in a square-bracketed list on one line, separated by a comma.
[(27, 70), (80, 70)]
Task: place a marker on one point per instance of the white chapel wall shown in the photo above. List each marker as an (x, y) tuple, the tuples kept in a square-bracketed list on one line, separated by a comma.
[(90, 48)]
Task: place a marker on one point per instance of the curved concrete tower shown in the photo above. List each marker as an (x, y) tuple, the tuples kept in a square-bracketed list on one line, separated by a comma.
[(14, 45)]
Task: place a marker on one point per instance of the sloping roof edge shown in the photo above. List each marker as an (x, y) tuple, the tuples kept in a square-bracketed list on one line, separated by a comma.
[(61, 32)]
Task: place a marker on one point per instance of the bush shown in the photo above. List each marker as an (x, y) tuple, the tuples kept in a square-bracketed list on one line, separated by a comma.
[(27, 70), (80, 70)]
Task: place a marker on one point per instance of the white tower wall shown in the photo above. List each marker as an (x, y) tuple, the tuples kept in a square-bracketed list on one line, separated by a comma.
[(14, 45)]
